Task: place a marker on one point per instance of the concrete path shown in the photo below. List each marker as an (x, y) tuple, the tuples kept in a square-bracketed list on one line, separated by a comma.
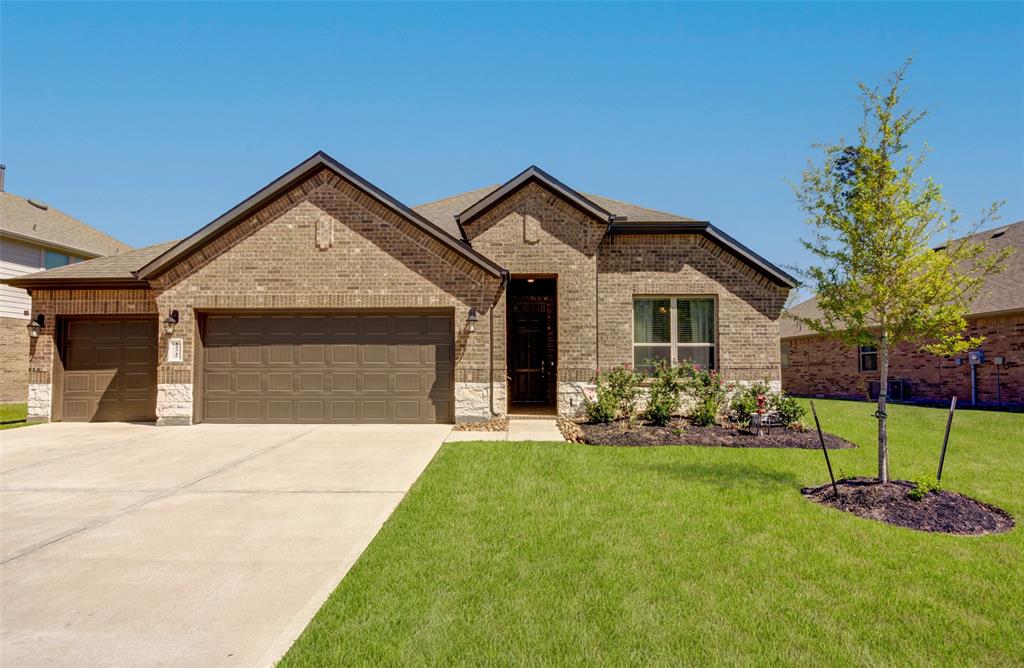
[(212, 545), (541, 429)]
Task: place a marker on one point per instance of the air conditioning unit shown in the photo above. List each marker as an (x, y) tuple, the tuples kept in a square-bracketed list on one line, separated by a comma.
[(898, 390)]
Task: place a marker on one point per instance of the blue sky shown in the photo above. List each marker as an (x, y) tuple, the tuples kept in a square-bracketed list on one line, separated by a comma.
[(149, 120)]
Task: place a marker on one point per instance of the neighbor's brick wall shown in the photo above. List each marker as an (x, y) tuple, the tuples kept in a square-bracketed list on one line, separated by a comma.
[(13, 359), (377, 260), (816, 366), (534, 231), (748, 304)]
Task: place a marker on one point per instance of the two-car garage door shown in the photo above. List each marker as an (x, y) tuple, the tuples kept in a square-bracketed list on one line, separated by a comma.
[(350, 367)]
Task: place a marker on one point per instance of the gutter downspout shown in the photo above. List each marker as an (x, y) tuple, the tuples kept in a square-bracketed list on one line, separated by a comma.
[(490, 380)]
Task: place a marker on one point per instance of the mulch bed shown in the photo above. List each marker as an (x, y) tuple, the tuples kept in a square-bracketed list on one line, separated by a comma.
[(682, 432), (942, 511)]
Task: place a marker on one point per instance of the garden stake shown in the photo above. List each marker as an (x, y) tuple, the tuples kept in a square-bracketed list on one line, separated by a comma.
[(945, 439), (825, 450)]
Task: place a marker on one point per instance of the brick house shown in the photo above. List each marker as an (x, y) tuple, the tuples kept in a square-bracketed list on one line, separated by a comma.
[(35, 236), (323, 299), (815, 366)]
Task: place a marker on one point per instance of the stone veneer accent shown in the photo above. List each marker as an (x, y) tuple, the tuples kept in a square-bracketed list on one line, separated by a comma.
[(819, 367), (13, 359), (473, 401), (571, 397), (40, 402), (173, 404)]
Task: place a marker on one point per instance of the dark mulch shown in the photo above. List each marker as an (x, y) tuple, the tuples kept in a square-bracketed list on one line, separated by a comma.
[(943, 511), (682, 432)]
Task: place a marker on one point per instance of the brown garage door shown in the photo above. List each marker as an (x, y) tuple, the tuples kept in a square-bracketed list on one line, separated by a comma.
[(327, 368), (109, 370)]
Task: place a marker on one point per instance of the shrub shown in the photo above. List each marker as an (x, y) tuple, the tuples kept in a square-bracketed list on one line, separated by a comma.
[(709, 391), (622, 384), (923, 485), (790, 412), (665, 392), (600, 409), (783, 406), (744, 403)]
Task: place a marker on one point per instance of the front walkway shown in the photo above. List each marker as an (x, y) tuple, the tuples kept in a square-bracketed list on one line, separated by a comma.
[(210, 545)]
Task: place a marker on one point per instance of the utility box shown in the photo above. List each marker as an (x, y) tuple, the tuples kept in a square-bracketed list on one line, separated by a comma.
[(975, 357)]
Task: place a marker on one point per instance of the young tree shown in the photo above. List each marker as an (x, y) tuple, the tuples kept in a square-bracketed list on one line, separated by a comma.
[(878, 280)]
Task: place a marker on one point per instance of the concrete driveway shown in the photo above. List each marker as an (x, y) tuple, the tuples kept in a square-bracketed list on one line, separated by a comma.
[(211, 545)]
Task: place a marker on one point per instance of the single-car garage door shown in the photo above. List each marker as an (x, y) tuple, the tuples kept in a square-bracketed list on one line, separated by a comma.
[(339, 367), (109, 370)]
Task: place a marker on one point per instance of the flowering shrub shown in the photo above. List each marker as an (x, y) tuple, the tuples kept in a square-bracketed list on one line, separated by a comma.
[(709, 391), (623, 384), (666, 388), (784, 407), (617, 394)]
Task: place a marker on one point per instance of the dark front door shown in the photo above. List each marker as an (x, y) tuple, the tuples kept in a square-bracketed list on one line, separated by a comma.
[(530, 358), (532, 341)]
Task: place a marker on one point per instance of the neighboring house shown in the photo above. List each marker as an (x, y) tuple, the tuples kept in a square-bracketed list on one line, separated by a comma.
[(813, 365), (323, 299), (35, 236)]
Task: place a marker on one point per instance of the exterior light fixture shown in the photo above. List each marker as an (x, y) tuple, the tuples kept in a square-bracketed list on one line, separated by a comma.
[(471, 320), (530, 280), (170, 321), (35, 326)]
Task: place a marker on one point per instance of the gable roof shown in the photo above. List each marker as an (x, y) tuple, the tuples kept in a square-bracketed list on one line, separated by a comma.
[(443, 211), (317, 161), (33, 221), (532, 174), (1003, 292), (110, 271), (622, 217)]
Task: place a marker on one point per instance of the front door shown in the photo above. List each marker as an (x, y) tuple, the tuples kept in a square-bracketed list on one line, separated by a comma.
[(529, 358), (532, 341)]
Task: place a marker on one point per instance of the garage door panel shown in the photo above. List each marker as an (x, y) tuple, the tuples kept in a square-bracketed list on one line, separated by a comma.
[(331, 368), (109, 369)]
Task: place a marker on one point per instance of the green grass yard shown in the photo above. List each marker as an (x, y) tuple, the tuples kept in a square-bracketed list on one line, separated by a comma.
[(544, 553), (13, 415)]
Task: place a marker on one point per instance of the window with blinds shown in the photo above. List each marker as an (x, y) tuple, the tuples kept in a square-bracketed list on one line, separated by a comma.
[(673, 329)]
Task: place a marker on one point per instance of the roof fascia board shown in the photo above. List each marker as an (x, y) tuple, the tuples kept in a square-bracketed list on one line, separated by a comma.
[(75, 283), (704, 227), (281, 184), (46, 244), (533, 173)]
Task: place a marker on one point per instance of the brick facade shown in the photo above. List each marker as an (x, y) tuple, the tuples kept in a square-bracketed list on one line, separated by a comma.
[(816, 366), (748, 304), (13, 360), (324, 244)]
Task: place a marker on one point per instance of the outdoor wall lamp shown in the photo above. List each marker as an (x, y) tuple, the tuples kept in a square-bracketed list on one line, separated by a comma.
[(170, 321), (471, 321), (36, 326)]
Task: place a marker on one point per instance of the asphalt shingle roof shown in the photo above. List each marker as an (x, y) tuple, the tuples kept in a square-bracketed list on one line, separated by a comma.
[(1002, 292), (108, 267), (49, 226), (442, 212)]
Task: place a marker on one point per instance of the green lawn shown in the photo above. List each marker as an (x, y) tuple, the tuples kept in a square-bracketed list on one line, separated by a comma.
[(13, 415), (543, 553)]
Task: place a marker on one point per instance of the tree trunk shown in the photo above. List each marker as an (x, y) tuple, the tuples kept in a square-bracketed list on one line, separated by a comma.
[(883, 391)]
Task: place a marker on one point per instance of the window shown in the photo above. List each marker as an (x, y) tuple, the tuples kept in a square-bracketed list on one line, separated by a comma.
[(784, 354), (53, 259), (674, 329), (868, 356)]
